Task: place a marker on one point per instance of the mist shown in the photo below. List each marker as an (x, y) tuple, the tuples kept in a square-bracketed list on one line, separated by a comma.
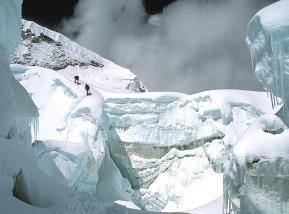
[(191, 46)]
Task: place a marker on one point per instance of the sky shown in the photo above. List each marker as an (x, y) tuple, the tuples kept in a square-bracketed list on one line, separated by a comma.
[(188, 46)]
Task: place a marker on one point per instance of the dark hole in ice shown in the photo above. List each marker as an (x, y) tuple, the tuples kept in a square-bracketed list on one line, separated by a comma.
[(20, 189), (278, 131)]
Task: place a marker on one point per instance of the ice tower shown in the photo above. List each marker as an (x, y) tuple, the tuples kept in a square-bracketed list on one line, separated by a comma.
[(256, 174), (268, 41)]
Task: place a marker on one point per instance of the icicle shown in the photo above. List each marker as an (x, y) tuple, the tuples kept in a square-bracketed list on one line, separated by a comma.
[(271, 98), (282, 70), (276, 101), (273, 101), (34, 129)]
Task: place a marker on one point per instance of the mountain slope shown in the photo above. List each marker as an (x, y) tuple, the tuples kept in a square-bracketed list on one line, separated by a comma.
[(48, 49)]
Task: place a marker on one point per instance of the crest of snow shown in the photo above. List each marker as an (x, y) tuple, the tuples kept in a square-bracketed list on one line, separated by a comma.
[(267, 137)]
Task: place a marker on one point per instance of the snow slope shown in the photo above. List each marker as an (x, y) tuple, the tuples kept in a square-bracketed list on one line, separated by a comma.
[(48, 49), (70, 146)]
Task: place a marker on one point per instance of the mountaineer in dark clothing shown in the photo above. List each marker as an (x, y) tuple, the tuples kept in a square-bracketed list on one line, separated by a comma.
[(87, 90), (76, 79)]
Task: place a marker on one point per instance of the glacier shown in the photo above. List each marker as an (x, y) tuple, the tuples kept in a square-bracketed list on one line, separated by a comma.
[(149, 151), (122, 151)]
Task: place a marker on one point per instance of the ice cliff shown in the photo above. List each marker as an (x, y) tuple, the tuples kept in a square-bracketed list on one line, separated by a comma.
[(256, 174), (268, 41), (171, 146)]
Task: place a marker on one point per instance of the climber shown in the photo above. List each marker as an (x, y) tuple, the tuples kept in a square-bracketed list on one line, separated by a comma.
[(76, 79), (87, 90)]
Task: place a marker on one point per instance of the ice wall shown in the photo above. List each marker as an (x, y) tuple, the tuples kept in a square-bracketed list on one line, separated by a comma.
[(24, 188), (171, 146), (268, 41), (10, 13), (8, 41), (18, 113), (256, 174)]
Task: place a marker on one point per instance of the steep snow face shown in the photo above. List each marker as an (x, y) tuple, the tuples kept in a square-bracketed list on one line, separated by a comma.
[(268, 41), (48, 49), (171, 146)]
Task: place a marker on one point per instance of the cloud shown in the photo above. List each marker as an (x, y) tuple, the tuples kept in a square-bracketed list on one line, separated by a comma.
[(190, 47)]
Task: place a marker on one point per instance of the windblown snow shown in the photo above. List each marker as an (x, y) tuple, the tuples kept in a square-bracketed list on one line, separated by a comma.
[(117, 150)]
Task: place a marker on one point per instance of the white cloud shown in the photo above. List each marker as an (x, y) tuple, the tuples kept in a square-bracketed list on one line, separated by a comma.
[(192, 46)]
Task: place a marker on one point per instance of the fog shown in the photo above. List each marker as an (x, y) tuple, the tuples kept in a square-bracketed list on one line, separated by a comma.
[(191, 46)]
